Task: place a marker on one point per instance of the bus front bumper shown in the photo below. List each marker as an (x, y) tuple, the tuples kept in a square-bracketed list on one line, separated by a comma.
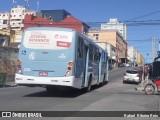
[(60, 81)]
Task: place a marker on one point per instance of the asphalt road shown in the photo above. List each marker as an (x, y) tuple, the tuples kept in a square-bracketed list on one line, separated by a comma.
[(114, 96)]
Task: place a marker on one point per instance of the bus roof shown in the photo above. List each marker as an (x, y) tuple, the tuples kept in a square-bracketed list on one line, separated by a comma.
[(49, 28)]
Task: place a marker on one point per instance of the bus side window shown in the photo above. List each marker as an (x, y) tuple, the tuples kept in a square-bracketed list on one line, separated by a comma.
[(103, 58), (96, 55), (80, 48), (90, 53)]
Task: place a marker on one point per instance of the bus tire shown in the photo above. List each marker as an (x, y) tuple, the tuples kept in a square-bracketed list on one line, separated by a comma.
[(104, 78), (88, 89)]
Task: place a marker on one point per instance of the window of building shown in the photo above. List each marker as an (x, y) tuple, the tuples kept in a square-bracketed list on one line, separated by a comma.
[(95, 35), (12, 11), (4, 21)]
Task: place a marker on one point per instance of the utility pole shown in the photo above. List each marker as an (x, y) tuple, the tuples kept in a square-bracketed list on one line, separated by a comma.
[(153, 49)]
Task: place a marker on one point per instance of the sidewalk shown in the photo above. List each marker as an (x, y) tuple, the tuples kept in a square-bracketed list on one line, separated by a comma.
[(113, 69), (7, 81), (142, 84)]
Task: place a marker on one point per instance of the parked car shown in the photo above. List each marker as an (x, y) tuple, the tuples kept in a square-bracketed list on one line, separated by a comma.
[(134, 76), (122, 65), (127, 65)]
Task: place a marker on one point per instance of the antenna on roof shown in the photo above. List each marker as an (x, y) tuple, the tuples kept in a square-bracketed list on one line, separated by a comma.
[(26, 3), (14, 3), (38, 1)]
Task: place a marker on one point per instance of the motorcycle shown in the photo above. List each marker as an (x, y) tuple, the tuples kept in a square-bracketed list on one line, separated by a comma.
[(152, 87)]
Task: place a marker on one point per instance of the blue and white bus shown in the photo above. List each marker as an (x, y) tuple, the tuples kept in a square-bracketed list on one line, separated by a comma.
[(60, 57)]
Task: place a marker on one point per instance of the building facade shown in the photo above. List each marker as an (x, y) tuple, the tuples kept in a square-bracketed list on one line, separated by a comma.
[(55, 15), (133, 55), (140, 59), (114, 38), (4, 20), (68, 22), (114, 24), (17, 16)]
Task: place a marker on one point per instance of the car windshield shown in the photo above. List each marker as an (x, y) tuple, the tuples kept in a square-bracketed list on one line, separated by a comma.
[(132, 71)]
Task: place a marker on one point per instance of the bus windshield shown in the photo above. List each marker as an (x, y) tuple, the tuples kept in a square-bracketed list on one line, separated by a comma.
[(45, 39)]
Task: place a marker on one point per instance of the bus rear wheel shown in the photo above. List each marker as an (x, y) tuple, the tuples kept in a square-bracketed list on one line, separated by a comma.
[(104, 80), (88, 89)]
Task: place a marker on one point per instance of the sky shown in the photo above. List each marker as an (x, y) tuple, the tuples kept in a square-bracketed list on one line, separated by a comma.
[(100, 11)]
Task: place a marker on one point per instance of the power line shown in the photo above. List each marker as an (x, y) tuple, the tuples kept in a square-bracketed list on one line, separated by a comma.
[(144, 15), (128, 23), (148, 40)]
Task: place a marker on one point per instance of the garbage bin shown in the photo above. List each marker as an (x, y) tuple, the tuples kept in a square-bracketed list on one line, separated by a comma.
[(2, 79)]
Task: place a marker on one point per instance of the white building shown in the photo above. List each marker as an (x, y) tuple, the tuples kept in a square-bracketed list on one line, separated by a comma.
[(17, 16), (4, 20), (132, 55), (14, 19), (114, 24)]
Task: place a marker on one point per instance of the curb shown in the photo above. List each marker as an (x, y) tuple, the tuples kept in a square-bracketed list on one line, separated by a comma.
[(139, 88), (9, 84)]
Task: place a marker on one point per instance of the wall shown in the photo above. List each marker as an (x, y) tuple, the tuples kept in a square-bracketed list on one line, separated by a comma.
[(8, 62)]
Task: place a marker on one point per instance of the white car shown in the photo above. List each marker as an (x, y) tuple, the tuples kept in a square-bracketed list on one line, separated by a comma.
[(127, 65), (132, 76)]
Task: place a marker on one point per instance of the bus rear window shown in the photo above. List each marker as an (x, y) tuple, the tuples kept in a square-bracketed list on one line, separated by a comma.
[(43, 39)]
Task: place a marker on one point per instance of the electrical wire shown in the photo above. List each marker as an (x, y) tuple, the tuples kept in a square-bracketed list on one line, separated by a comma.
[(152, 13)]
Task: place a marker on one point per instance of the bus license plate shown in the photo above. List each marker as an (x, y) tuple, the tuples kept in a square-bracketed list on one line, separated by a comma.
[(43, 73)]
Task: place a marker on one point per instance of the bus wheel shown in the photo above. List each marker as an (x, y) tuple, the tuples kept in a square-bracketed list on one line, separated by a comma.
[(104, 78), (88, 89)]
